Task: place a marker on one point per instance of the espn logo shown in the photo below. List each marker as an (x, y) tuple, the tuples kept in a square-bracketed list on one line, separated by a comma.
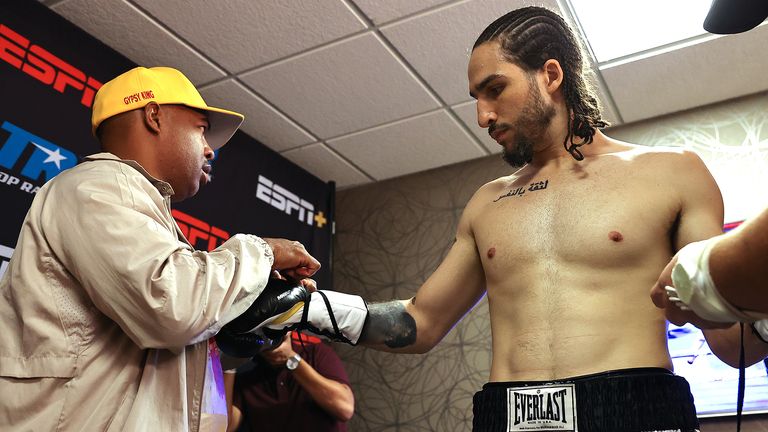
[(288, 202), (5, 258), (196, 230), (46, 158), (45, 67)]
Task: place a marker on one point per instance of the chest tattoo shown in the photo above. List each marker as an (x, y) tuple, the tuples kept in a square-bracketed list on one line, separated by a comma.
[(520, 191)]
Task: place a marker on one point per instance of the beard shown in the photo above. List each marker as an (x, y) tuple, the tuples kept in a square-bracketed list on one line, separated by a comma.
[(521, 154), (529, 128)]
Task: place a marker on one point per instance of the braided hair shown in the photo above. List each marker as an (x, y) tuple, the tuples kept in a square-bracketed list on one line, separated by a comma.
[(530, 36)]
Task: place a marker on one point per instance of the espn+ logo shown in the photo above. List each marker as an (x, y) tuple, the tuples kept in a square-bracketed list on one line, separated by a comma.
[(288, 202), (45, 67)]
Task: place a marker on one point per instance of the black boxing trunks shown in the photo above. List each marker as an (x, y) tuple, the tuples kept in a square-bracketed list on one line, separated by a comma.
[(626, 400)]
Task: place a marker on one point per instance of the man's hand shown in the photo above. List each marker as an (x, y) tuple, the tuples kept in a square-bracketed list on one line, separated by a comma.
[(309, 284), (674, 314), (291, 259)]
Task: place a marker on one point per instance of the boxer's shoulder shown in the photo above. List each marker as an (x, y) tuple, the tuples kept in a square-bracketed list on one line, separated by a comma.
[(677, 165), (644, 153), (657, 161)]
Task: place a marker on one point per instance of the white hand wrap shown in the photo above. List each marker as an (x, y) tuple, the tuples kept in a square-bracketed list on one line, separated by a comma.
[(332, 314), (695, 289)]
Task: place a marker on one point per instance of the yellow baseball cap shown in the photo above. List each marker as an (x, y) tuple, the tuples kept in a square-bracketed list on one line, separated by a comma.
[(163, 85)]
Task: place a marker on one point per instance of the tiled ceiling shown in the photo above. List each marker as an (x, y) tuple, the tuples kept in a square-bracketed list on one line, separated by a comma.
[(358, 91)]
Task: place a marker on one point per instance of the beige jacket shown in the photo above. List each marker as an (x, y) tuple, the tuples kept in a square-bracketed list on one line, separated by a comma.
[(106, 310)]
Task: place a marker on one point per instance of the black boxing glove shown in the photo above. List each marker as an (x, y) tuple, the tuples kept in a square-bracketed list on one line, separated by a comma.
[(247, 335), (246, 345)]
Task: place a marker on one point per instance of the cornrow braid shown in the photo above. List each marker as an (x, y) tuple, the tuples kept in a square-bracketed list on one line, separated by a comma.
[(528, 38)]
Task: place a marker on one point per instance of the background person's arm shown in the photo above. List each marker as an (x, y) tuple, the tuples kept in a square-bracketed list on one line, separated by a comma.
[(234, 415), (334, 397), (738, 265), (725, 344), (739, 271)]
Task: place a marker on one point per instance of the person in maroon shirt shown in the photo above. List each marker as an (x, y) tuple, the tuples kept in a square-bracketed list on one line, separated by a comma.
[(299, 386)]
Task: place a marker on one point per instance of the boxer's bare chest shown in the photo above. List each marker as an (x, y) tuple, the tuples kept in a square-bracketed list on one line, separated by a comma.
[(605, 213)]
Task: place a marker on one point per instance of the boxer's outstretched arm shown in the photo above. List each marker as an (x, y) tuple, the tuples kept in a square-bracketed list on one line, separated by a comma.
[(419, 323), (409, 326), (389, 324)]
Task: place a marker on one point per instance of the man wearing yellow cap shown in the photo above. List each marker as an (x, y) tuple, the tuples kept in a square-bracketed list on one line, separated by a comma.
[(106, 309)]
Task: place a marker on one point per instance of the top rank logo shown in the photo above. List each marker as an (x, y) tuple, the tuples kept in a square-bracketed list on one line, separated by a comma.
[(47, 158), (45, 67)]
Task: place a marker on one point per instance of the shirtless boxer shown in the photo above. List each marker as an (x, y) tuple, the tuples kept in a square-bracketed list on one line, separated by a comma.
[(565, 248)]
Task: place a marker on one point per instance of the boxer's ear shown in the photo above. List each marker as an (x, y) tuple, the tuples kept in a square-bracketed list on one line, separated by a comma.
[(553, 75)]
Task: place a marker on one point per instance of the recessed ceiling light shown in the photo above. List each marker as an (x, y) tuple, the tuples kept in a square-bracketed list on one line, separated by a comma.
[(620, 28)]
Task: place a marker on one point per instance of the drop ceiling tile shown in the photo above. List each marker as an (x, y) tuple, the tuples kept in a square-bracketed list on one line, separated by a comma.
[(261, 121), (382, 11), (342, 88), (467, 112), (131, 33), (415, 144), (326, 165), (438, 43), (241, 34), (701, 74)]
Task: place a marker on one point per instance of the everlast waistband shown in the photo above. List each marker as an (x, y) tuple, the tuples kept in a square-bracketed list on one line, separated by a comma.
[(627, 400)]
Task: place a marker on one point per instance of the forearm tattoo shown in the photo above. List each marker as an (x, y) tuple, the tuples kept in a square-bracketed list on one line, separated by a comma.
[(389, 324)]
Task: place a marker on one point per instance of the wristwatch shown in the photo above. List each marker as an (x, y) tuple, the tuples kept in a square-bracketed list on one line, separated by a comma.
[(293, 362)]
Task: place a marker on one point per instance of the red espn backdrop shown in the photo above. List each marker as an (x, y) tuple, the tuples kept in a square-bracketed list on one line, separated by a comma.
[(49, 73)]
